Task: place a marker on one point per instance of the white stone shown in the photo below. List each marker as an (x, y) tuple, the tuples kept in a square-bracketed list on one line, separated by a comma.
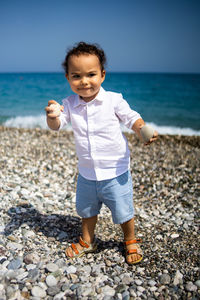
[(141, 270), (51, 280), (153, 288), (143, 215), (174, 235), (24, 192), (159, 237), (22, 276), (30, 267), (140, 289), (14, 246), (71, 270), (29, 234), (178, 279), (51, 267), (138, 282), (59, 296), (38, 292), (151, 282), (147, 133), (42, 285), (107, 290), (190, 287)]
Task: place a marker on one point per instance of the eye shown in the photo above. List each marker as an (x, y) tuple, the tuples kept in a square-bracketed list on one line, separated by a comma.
[(92, 74), (75, 76)]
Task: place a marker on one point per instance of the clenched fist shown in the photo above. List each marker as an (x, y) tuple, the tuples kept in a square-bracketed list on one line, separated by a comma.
[(53, 109)]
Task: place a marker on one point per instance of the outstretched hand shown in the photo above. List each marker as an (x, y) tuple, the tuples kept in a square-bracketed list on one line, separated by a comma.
[(153, 139), (53, 109)]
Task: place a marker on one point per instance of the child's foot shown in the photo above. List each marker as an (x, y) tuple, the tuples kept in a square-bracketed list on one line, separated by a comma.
[(80, 248), (134, 253)]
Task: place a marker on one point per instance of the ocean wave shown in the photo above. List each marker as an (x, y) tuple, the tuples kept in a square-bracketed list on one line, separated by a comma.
[(40, 122), (27, 122)]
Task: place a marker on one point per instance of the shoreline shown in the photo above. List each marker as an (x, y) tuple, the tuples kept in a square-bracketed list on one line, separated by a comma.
[(39, 220), (193, 140)]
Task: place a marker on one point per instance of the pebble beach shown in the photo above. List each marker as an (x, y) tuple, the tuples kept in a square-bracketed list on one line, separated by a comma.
[(38, 220)]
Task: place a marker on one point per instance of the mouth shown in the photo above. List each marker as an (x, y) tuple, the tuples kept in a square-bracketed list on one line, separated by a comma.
[(84, 89)]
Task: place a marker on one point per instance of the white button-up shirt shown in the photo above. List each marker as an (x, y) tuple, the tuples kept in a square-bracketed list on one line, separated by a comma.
[(101, 147)]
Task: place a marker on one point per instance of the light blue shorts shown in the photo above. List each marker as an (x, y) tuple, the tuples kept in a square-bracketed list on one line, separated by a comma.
[(115, 193)]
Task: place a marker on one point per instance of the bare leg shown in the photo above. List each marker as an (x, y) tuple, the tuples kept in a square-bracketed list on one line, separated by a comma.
[(88, 227), (129, 234)]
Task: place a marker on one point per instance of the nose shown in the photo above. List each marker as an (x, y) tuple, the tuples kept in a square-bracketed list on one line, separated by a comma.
[(84, 81)]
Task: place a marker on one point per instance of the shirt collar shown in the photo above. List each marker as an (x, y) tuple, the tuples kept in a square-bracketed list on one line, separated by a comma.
[(99, 97)]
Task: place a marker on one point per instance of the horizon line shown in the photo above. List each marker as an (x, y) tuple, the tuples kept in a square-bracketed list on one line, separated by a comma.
[(109, 72)]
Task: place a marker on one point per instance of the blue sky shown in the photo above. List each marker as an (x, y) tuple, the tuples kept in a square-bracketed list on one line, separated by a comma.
[(137, 35)]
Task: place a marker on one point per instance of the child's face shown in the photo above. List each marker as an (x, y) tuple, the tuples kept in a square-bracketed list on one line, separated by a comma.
[(85, 76)]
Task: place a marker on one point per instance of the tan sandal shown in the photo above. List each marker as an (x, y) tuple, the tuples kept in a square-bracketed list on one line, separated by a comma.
[(87, 248), (137, 251)]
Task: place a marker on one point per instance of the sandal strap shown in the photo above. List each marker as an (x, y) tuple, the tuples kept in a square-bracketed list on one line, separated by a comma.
[(136, 241), (132, 251), (83, 243), (74, 248)]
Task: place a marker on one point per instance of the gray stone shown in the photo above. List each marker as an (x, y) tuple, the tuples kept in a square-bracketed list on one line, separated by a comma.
[(65, 287), (62, 235), (33, 274), (11, 274), (53, 290), (197, 283), (74, 286), (125, 295), (32, 258), (120, 288), (10, 291), (165, 279), (15, 264)]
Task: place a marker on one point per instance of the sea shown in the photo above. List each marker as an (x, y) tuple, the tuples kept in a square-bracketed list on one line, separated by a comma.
[(168, 102)]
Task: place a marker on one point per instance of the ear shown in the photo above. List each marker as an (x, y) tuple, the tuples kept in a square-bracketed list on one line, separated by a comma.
[(103, 75), (67, 76)]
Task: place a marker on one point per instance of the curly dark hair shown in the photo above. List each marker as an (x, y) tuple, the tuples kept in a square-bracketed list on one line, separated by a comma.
[(84, 48)]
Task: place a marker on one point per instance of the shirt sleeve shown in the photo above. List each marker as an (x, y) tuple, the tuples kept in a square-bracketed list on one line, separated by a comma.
[(64, 116), (126, 115)]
